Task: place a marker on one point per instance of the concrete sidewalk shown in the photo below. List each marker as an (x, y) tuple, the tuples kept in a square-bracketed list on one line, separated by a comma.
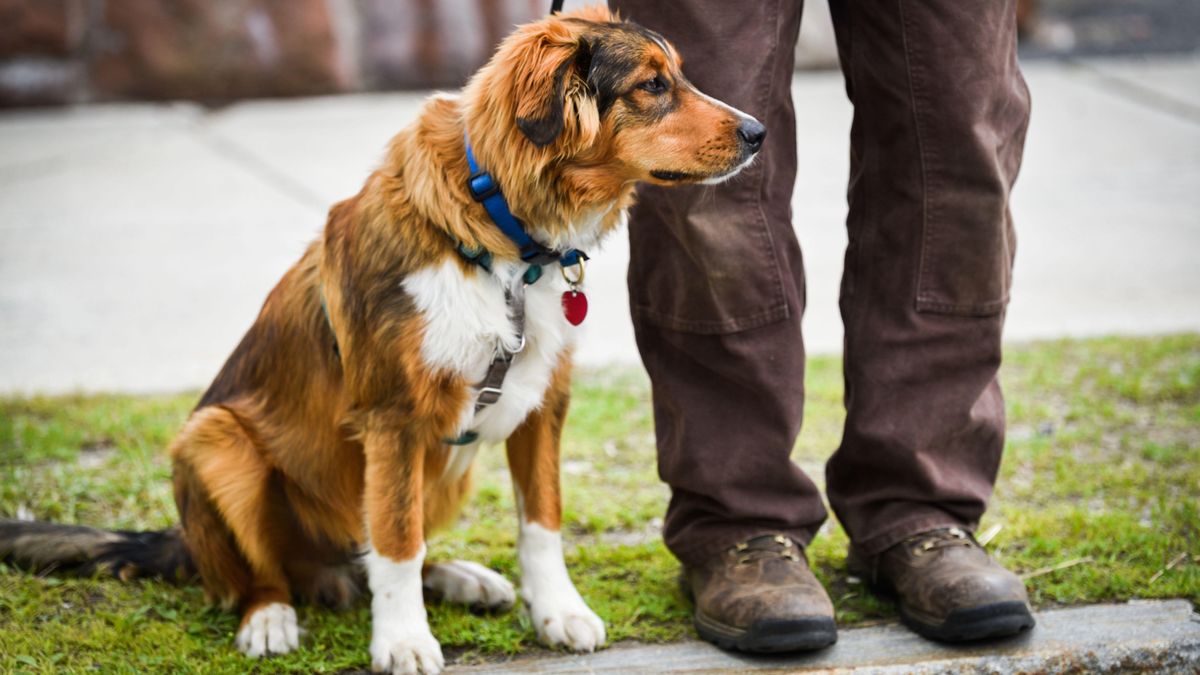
[(138, 241), (1160, 637)]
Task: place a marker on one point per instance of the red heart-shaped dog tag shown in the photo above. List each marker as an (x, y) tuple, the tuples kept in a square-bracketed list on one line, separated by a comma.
[(574, 306)]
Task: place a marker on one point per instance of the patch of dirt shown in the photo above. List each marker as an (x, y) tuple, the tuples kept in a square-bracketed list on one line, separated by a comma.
[(96, 454), (650, 533)]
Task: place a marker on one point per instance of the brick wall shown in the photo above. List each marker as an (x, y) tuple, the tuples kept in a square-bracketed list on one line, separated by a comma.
[(73, 51), (70, 51)]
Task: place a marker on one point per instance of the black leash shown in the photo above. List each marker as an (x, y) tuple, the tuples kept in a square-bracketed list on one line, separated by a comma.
[(556, 6)]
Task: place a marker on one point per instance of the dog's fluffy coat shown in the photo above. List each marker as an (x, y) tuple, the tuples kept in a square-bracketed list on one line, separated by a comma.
[(323, 436)]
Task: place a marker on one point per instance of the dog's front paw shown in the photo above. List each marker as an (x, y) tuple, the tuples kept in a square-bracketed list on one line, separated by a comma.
[(406, 652), (567, 621), (270, 629)]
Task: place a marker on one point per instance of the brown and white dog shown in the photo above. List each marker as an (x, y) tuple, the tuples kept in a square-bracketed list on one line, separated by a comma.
[(324, 437)]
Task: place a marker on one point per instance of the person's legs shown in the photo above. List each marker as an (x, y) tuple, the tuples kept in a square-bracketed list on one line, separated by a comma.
[(939, 125), (716, 287)]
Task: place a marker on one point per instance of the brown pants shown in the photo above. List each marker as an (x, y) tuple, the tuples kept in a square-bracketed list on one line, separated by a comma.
[(716, 280)]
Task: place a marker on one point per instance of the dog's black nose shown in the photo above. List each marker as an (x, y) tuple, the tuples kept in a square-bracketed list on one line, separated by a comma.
[(752, 132)]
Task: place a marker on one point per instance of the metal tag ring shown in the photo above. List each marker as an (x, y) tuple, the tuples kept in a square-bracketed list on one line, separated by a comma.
[(576, 281)]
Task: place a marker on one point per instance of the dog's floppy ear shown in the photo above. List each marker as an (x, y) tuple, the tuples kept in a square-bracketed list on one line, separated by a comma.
[(542, 89)]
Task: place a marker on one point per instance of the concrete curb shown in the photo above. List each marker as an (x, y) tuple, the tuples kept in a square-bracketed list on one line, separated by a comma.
[(1137, 637)]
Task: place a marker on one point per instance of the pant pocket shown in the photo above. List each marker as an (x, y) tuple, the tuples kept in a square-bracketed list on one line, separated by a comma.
[(703, 263), (966, 264)]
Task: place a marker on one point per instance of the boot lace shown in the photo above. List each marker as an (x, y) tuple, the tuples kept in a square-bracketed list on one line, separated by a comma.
[(934, 540), (767, 547)]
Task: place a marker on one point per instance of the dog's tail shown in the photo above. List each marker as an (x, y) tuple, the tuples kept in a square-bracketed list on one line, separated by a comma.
[(74, 549)]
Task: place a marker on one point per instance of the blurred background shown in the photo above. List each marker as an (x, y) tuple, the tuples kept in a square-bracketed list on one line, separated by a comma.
[(217, 51), (163, 162)]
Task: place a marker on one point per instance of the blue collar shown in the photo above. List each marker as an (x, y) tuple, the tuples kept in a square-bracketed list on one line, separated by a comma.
[(485, 190)]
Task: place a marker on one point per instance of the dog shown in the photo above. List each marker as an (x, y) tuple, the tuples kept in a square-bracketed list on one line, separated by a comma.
[(342, 429)]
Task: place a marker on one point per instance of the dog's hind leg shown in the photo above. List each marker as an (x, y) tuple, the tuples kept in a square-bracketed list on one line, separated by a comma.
[(559, 613), (468, 583), (458, 581), (226, 479)]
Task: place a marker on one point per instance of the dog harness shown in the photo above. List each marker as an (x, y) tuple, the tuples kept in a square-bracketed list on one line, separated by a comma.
[(484, 189)]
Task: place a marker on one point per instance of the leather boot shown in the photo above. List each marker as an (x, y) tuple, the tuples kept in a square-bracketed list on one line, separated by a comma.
[(947, 586), (760, 596)]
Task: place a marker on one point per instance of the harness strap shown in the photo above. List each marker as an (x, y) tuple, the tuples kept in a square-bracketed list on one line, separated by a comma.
[(492, 386), (467, 438), (476, 256)]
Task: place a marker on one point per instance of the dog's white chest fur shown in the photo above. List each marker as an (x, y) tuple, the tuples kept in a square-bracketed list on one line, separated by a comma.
[(467, 318)]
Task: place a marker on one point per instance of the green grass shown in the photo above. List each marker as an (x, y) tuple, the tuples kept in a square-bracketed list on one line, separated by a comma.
[(1102, 464)]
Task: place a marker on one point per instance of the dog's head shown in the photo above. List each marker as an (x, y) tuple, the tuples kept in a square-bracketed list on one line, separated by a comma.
[(603, 102)]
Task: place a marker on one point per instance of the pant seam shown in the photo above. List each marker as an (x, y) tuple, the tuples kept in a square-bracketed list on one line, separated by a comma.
[(764, 100), (922, 150)]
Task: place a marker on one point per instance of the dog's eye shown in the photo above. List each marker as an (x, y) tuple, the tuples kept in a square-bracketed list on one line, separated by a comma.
[(654, 85)]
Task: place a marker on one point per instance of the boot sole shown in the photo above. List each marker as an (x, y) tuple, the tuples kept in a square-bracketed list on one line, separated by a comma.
[(995, 620), (769, 636), (999, 619)]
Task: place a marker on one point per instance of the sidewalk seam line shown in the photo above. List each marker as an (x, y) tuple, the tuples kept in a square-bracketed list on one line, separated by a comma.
[(280, 181), (1140, 95)]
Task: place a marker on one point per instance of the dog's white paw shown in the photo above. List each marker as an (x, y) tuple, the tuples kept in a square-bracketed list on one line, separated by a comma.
[(406, 650), (559, 614), (567, 621), (271, 629), (469, 583), (400, 639)]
